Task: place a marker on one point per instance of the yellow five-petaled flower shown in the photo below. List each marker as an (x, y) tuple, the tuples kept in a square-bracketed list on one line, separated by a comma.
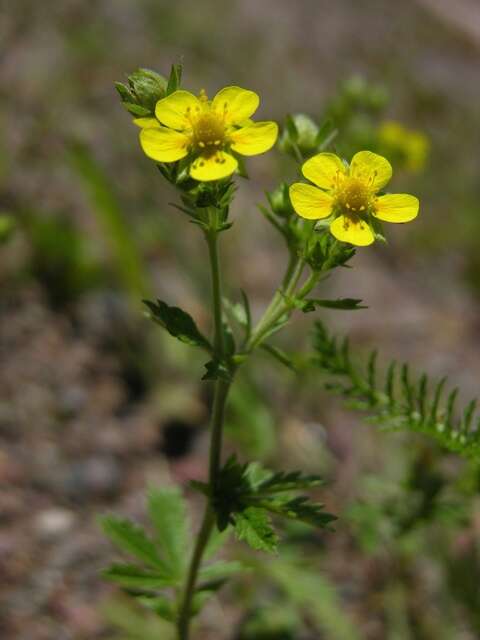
[(206, 129), (349, 195)]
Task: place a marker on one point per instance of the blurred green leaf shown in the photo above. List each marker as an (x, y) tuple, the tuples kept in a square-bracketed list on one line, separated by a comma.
[(132, 539), (133, 577), (168, 512), (107, 210)]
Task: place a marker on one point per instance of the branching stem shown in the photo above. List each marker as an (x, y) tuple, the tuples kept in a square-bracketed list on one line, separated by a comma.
[(218, 411)]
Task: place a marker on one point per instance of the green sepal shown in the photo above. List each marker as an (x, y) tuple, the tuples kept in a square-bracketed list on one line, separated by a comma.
[(174, 79)]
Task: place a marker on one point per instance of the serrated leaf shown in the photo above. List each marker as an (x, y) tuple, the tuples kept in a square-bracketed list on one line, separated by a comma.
[(288, 481), (131, 576), (178, 323), (132, 539), (168, 512), (300, 508), (253, 527)]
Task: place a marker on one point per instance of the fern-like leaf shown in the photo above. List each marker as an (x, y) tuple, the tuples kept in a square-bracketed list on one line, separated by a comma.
[(404, 404)]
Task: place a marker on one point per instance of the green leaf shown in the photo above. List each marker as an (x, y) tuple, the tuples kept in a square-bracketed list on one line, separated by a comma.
[(414, 409), (217, 540), (200, 598), (351, 304), (132, 622), (240, 312), (168, 512), (110, 215), (300, 508), (159, 605), (132, 577), (178, 323), (220, 570), (324, 135), (132, 539), (279, 355), (288, 481), (253, 526), (7, 225)]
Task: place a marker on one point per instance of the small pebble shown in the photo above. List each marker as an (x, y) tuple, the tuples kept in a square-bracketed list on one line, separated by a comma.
[(53, 523)]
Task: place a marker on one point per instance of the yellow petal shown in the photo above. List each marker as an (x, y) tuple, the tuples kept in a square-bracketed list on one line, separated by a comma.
[(397, 207), (356, 232), (214, 167), (147, 123), (235, 104), (164, 145), (254, 138), (371, 169), (324, 169), (309, 202), (177, 109)]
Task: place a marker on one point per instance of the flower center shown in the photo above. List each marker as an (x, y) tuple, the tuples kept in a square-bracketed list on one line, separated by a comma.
[(208, 131), (353, 197)]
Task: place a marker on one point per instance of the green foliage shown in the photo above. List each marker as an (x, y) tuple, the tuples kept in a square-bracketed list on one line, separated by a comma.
[(111, 218), (325, 253), (311, 304), (308, 590), (174, 79), (168, 514), (253, 526), (163, 558), (131, 622), (302, 137), (398, 403), (178, 323), (240, 313), (133, 577), (59, 258), (288, 481), (132, 539), (246, 493), (7, 227), (250, 423)]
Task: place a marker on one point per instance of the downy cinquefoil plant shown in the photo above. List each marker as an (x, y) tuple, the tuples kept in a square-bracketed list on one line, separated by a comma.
[(199, 145)]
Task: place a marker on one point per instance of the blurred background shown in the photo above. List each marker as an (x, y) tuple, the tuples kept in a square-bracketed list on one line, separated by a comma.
[(95, 402)]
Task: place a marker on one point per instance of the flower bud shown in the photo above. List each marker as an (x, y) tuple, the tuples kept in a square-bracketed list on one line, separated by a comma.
[(145, 88), (279, 200), (301, 131)]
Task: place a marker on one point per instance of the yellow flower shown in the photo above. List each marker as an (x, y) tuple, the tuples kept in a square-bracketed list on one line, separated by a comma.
[(349, 195), (411, 146), (206, 129)]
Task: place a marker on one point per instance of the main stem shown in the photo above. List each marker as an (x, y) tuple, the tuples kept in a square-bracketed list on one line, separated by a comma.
[(218, 412)]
